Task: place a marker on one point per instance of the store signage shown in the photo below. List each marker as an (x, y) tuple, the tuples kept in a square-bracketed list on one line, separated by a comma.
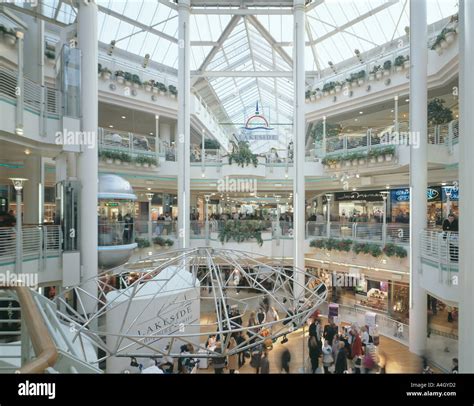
[(369, 196), (257, 128), (453, 192), (403, 195), (111, 204)]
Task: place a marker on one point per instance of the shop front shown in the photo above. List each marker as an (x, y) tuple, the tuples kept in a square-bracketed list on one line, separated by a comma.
[(361, 206)]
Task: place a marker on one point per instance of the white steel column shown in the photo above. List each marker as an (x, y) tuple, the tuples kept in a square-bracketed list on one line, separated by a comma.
[(466, 188), (20, 89), (184, 122), (87, 160), (418, 170), (299, 208)]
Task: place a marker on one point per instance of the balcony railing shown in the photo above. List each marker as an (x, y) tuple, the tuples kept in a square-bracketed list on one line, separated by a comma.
[(441, 249), (39, 242), (398, 233), (444, 134), (116, 233), (134, 144)]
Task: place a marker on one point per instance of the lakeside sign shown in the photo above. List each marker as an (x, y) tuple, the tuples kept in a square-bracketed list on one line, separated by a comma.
[(257, 128)]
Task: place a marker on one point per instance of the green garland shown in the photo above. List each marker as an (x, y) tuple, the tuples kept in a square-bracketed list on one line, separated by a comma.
[(241, 231), (332, 244), (163, 242)]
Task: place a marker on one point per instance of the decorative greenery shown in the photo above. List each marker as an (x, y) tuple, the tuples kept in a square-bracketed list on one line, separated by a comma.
[(124, 157), (172, 89), (161, 87), (308, 94), (242, 155), (442, 37), (375, 69), (241, 231), (400, 60), (387, 65), (105, 70), (107, 154), (163, 242), (142, 242), (120, 73), (143, 159), (391, 250), (332, 244), (136, 80), (438, 113)]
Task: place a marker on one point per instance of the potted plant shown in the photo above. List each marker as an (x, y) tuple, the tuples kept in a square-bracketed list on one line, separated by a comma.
[(50, 52), (318, 93), (307, 95), (449, 35), (10, 36), (338, 160), (338, 87), (406, 63), (399, 60), (154, 87), (361, 77), (372, 155), (125, 158), (106, 73), (128, 79), (389, 152), (120, 76), (173, 91), (136, 82), (378, 72), (387, 67), (138, 161), (354, 159), (117, 158), (362, 159), (161, 88), (99, 69), (109, 157), (148, 85), (347, 161)]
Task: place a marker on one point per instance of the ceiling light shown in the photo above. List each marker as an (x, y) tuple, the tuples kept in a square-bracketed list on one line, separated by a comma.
[(387, 187), (148, 188), (124, 117), (443, 184), (27, 151), (151, 133), (356, 119), (111, 126), (203, 175), (391, 111), (354, 189), (361, 112), (407, 100)]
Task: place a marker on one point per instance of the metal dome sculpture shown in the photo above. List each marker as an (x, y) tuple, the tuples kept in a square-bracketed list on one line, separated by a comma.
[(169, 304)]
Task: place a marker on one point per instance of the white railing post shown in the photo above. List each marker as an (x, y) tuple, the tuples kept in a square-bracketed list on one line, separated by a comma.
[(450, 137), (440, 266)]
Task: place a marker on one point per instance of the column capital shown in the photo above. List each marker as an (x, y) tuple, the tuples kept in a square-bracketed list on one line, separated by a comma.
[(297, 4), (185, 4)]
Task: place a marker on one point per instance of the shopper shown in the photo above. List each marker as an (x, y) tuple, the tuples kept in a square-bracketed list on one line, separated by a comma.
[(233, 362), (256, 358), (219, 361), (328, 359), (285, 360), (356, 350), (314, 353), (341, 359), (265, 363), (330, 330)]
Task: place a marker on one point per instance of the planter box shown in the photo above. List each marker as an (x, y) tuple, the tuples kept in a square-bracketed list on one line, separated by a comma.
[(109, 161), (146, 165), (450, 37), (339, 165), (398, 68), (347, 163), (138, 165), (10, 39), (136, 85), (373, 160), (332, 91), (379, 74), (362, 161), (120, 79), (162, 93), (338, 89), (371, 76), (388, 157), (318, 96), (148, 88), (105, 75), (117, 161), (406, 64), (155, 90), (386, 72), (127, 83), (360, 82), (380, 158)]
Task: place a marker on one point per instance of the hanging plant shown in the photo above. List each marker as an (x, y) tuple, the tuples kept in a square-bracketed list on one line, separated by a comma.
[(242, 155), (241, 231)]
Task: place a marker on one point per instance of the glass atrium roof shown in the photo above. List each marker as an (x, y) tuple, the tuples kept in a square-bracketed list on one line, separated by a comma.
[(222, 42)]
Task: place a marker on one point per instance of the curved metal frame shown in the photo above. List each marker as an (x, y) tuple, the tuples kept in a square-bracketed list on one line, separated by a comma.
[(207, 265)]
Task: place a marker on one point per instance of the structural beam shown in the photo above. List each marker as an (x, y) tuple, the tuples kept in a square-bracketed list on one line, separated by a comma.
[(241, 11), (466, 187), (243, 74), (418, 170), (299, 206), (138, 24), (355, 21), (184, 123)]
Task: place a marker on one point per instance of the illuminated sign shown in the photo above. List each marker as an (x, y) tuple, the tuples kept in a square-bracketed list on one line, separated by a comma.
[(433, 194)]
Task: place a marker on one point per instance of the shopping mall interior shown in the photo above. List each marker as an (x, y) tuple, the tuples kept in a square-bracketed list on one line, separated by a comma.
[(240, 186)]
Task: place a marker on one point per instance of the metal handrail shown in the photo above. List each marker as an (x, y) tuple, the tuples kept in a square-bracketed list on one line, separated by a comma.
[(43, 344)]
